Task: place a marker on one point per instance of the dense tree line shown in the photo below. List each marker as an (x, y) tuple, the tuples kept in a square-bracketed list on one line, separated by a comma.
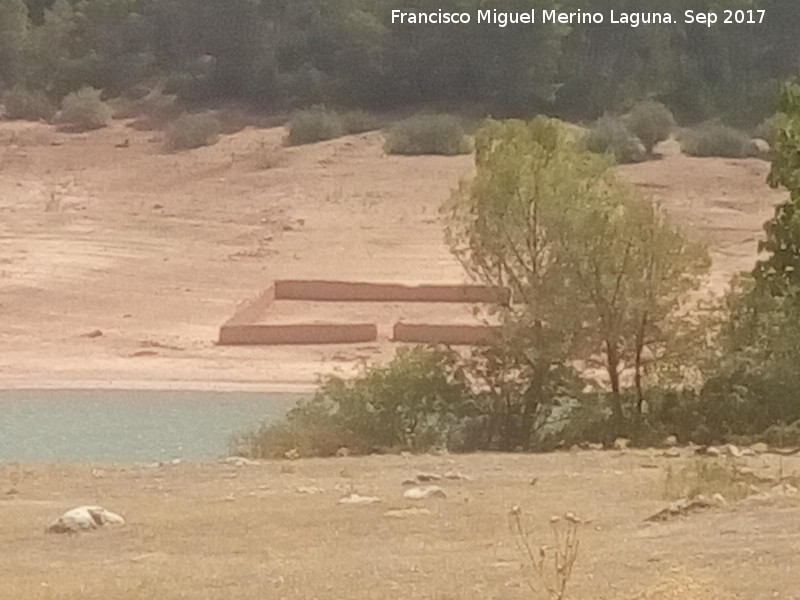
[(282, 53)]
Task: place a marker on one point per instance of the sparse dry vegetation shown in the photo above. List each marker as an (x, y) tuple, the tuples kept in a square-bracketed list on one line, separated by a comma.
[(29, 105), (610, 135), (428, 134), (191, 131), (85, 110), (315, 124), (715, 139)]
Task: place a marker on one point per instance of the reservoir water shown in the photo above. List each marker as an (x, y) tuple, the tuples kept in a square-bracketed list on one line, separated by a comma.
[(99, 426)]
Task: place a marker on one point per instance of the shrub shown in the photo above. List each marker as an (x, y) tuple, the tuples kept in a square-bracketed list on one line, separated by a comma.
[(609, 135), (85, 110), (192, 131), (315, 124), (769, 129), (428, 134), (715, 139), (412, 403), (706, 478), (359, 121), (651, 122), (29, 105)]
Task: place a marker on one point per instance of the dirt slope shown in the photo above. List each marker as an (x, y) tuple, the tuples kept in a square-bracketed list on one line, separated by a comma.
[(156, 250)]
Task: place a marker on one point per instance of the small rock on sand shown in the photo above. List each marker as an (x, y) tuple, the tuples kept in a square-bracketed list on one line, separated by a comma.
[(621, 444), (423, 492), (239, 461), (425, 477), (309, 490), (358, 499), (84, 518)]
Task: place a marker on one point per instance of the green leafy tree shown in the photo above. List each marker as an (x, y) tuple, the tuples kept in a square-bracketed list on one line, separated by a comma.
[(548, 220)]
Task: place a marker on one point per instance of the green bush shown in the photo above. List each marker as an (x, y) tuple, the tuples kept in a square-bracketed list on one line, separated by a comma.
[(27, 104), (359, 121), (651, 122), (412, 403), (428, 134), (769, 129), (609, 135), (315, 124), (715, 139), (85, 110), (192, 131)]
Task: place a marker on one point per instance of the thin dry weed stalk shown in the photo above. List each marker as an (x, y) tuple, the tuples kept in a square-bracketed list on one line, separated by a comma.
[(548, 568)]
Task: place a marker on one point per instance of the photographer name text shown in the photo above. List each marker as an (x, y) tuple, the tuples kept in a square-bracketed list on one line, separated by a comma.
[(533, 17)]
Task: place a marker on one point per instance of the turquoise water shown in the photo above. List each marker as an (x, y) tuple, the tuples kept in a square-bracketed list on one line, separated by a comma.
[(127, 426)]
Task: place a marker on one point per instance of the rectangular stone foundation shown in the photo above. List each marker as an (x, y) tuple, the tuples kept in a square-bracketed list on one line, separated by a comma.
[(323, 333), (455, 335)]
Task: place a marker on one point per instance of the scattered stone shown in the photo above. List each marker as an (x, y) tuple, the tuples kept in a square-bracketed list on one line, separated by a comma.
[(649, 466), (759, 148), (748, 452), (405, 454), (12, 492), (713, 451), (309, 489), (176, 461), (457, 476), (672, 453), (400, 513), (671, 441), (621, 444), (239, 461), (95, 333), (423, 492), (719, 499), (409, 482), (292, 454), (685, 507), (343, 452), (733, 451), (426, 477), (139, 353), (533, 481), (759, 448), (84, 518), (594, 446), (783, 489), (358, 499), (98, 473)]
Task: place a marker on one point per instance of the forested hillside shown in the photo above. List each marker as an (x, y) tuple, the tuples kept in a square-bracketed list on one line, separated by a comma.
[(278, 54)]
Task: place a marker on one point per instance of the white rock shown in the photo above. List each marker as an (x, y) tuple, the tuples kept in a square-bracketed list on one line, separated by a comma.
[(733, 451), (424, 491), (621, 444), (240, 461), (759, 448), (309, 489), (672, 453), (713, 451), (358, 499), (671, 441), (84, 518), (457, 476)]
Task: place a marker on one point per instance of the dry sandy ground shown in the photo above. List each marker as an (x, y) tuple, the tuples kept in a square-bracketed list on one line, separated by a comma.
[(219, 532), (156, 250)]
